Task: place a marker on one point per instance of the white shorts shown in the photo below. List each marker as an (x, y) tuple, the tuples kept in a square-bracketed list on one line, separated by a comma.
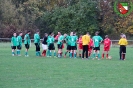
[(44, 47)]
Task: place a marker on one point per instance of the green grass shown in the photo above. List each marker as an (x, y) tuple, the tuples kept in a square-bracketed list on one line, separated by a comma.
[(33, 72)]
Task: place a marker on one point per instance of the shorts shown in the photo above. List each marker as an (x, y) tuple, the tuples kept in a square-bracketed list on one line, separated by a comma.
[(13, 47), (96, 48), (19, 47), (60, 46), (106, 48), (51, 46), (122, 49), (44, 46), (80, 46), (68, 47), (27, 46), (73, 48)]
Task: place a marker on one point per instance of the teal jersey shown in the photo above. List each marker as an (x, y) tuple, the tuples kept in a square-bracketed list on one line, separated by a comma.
[(60, 39), (73, 40), (50, 39), (19, 41), (36, 38), (14, 41), (97, 40), (68, 40), (27, 39)]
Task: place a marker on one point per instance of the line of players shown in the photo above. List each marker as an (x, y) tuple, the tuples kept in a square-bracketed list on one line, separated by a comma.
[(85, 45)]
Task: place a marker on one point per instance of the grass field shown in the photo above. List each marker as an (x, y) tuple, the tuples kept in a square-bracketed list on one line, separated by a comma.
[(33, 72)]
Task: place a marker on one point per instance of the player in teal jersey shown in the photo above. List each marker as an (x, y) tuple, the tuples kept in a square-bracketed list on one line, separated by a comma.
[(19, 43), (73, 45), (97, 41), (60, 44), (37, 43), (51, 47), (27, 43), (14, 43), (68, 44)]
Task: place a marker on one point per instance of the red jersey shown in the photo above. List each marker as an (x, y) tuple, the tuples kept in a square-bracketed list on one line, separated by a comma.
[(80, 40), (56, 37), (91, 43), (107, 42)]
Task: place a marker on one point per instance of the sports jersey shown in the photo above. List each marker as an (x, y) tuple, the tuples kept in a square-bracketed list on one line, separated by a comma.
[(36, 38), (85, 39), (123, 41), (50, 40), (27, 39), (60, 39), (45, 40), (19, 41), (68, 40), (107, 42), (97, 40), (80, 40), (73, 40), (91, 43), (14, 41)]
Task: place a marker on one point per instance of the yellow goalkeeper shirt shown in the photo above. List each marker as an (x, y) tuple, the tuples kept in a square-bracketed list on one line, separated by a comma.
[(85, 39), (123, 41)]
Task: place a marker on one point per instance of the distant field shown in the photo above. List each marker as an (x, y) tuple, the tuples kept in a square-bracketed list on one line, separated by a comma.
[(40, 72)]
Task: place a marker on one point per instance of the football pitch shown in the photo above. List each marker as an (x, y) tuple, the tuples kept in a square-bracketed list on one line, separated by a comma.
[(40, 72)]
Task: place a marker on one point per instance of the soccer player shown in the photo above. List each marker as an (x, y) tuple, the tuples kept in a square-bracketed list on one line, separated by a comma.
[(90, 46), (13, 43), (123, 43), (85, 42), (19, 43), (106, 44), (44, 44), (51, 46), (37, 43), (27, 43), (97, 40), (60, 44), (68, 44), (73, 45), (80, 46)]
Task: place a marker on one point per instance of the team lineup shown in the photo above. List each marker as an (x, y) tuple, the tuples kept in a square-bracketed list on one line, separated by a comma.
[(85, 46)]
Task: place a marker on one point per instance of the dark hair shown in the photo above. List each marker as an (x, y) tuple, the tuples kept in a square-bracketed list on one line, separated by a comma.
[(28, 31)]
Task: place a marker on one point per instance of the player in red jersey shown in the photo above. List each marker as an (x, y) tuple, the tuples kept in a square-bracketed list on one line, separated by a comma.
[(80, 47), (90, 46), (107, 44)]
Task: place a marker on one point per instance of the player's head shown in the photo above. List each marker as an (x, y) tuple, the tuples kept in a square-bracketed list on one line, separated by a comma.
[(20, 33), (106, 36), (37, 31), (59, 33), (87, 33), (65, 35), (45, 34), (80, 36), (123, 36), (28, 32), (96, 33), (74, 33), (50, 33), (71, 33), (14, 34)]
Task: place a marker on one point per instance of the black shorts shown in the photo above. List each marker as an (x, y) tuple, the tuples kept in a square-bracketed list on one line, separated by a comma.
[(51, 46), (68, 47), (19, 47), (27, 46), (96, 48), (13, 47), (122, 49), (73, 47), (60, 46)]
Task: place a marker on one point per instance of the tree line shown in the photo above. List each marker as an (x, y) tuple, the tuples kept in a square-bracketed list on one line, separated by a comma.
[(64, 16)]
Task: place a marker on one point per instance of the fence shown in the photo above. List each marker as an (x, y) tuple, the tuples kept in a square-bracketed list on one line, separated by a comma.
[(114, 43)]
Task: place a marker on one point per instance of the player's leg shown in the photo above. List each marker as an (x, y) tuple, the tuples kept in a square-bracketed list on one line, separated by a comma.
[(38, 49), (83, 52), (124, 52), (13, 50), (120, 53), (107, 54), (26, 50)]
